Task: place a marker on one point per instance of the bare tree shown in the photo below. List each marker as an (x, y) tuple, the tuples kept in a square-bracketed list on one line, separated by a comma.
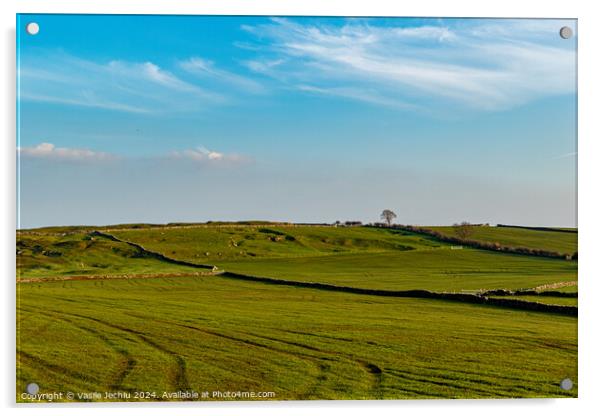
[(463, 230), (388, 216)]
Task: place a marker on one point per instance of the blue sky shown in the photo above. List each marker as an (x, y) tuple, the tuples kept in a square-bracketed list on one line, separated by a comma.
[(191, 118)]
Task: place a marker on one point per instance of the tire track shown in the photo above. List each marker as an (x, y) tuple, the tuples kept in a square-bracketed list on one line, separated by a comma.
[(374, 372), (127, 362), (321, 367), (178, 377), (321, 362), (59, 369), (446, 383)]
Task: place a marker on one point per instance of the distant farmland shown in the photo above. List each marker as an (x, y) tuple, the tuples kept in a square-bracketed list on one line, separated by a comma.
[(560, 241), (161, 309)]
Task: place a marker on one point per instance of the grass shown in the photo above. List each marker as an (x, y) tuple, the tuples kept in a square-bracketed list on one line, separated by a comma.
[(520, 237), (437, 270), (50, 255), (549, 300), (358, 257), (214, 243), (211, 334), (180, 331), (570, 289)]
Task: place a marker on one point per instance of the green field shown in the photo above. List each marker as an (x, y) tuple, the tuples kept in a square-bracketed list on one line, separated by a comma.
[(223, 243), (550, 300), (571, 289), (182, 328), (215, 334), (442, 270), (561, 242), (358, 257), (50, 255)]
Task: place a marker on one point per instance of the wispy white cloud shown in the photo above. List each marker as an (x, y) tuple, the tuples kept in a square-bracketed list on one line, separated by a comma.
[(206, 69), (368, 96), (264, 66), (50, 151), (86, 100), (138, 87), (199, 155), (565, 155), (481, 64), (203, 155), (485, 65)]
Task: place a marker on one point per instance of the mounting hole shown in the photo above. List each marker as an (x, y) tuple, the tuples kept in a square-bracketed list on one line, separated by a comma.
[(33, 388), (32, 28), (566, 32), (566, 384)]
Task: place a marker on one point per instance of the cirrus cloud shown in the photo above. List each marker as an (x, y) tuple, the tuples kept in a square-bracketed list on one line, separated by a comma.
[(482, 65), (117, 85)]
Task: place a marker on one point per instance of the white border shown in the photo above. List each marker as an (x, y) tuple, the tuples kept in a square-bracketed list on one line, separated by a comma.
[(590, 209)]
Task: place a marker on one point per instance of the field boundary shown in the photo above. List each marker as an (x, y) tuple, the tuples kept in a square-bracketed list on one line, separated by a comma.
[(536, 291), (524, 227), (417, 293), (481, 245)]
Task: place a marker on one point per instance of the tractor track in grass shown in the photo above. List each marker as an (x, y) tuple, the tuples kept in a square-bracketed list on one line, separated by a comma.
[(478, 384), (127, 362), (177, 377), (59, 369), (320, 361), (375, 372), (321, 368), (445, 382)]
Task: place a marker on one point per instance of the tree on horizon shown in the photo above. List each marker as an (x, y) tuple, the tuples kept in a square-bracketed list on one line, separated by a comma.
[(388, 216)]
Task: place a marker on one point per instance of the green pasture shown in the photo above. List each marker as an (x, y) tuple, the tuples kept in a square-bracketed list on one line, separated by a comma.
[(437, 270), (50, 255), (176, 331), (561, 242), (218, 243), (548, 300), (215, 334)]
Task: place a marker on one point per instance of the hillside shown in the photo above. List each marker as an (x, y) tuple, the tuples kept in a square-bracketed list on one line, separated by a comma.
[(303, 311), (557, 241)]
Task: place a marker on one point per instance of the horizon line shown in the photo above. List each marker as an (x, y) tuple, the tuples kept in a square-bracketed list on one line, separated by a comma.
[(260, 222)]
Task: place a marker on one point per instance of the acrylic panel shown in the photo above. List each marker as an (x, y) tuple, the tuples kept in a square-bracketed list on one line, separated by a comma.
[(262, 208)]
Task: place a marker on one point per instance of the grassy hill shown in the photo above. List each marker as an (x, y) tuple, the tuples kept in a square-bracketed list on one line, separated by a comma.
[(350, 256), (161, 324), (354, 256), (50, 255), (559, 241), (236, 242)]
